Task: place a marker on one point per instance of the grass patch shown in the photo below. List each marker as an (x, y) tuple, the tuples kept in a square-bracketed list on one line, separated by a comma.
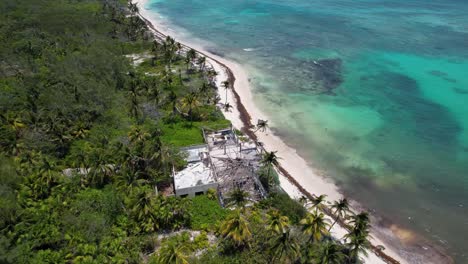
[(206, 214), (182, 133)]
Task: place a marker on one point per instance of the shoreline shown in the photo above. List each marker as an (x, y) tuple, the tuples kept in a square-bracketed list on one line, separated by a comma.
[(293, 167)]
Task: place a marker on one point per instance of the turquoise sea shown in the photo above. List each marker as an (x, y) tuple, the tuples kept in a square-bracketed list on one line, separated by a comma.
[(372, 92)]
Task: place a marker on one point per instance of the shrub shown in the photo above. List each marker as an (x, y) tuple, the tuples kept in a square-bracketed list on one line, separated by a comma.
[(200, 242), (206, 214), (211, 194), (287, 206), (269, 181)]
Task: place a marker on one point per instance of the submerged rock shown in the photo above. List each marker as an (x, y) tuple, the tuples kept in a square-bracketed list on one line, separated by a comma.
[(460, 90), (328, 74), (438, 73)]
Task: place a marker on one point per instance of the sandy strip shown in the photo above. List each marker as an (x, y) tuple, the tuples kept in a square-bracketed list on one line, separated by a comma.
[(291, 162)]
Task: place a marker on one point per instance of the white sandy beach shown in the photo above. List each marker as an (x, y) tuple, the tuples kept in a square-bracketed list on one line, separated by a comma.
[(296, 166), (290, 160)]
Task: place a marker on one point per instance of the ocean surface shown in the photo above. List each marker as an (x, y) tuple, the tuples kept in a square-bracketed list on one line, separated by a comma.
[(373, 93)]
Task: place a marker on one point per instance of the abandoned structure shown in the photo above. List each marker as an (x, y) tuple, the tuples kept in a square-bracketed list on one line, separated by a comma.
[(198, 177), (227, 162), (235, 160)]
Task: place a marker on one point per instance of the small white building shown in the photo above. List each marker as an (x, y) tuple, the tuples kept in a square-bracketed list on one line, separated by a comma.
[(198, 176)]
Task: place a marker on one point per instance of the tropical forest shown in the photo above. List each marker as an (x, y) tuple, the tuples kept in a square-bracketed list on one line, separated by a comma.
[(94, 109)]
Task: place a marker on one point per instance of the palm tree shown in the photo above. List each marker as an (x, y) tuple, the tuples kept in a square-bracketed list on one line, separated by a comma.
[(187, 62), (330, 253), (80, 160), (237, 197), (358, 236), (358, 244), (128, 180), (216, 100), (99, 171), (134, 105), (276, 222), (155, 49), (16, 125), (203, 92), (154, 94), (137, 135), (133, 8), (190, 102), (47, 171), (236, 228), (226, 86), (190, 56), (341, 208), (81, 130), (27, 161), (42, 176), (152, 90), (284, 248), (135, 21), (13, 122), (172, 100), (167, 77), (201, 61), (314, 225), (173, 253), (303, 200), (227, 107), (179, 71), (142, 203), (269, 160), (178, 47), (210, 74), (317, 202), (169, 48), (361, 222), (166, 156), (61, 137), (32, 101), (180, 212), (165, 211), (262, 125)]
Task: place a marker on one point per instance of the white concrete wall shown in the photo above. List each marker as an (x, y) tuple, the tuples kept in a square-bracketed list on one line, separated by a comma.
[(199, 188)]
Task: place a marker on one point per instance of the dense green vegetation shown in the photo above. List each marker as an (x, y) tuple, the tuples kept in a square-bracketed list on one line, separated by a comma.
[(88, 139), (206, 214), (70, 98), (288, 207)]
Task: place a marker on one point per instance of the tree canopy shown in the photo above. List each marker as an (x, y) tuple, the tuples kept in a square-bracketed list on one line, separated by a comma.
[(93, 111)]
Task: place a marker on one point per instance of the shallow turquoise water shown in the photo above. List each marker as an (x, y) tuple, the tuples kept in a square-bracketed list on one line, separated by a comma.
[(375, 93)]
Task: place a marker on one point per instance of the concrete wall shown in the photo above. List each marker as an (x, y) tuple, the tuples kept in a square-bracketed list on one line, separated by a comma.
[(199, 188)]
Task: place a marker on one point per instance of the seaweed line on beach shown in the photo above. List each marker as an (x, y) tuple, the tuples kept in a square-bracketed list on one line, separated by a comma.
[(246, 119)]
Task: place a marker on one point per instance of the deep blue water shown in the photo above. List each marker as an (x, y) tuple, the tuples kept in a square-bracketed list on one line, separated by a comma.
[(374, 93)]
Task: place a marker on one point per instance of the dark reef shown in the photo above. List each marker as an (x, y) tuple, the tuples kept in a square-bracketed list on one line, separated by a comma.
[(327, 74)]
